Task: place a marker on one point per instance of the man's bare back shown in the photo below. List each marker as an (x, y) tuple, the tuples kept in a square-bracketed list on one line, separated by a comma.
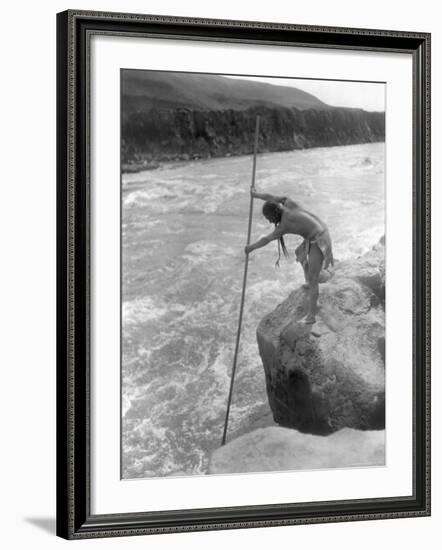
[(297, 221), (293, 219)]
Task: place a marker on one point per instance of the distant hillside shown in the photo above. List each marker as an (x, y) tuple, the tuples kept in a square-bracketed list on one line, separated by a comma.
[(171, 116), (144, 90)]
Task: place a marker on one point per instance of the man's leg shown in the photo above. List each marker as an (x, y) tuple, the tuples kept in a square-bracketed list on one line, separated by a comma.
[(305, 268), (314, 269), (301, 253)]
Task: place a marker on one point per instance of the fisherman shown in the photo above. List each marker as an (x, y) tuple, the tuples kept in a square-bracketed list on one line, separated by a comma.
[(314, 253)]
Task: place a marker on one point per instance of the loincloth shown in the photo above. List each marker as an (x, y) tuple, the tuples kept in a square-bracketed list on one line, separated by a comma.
[(323, 241)]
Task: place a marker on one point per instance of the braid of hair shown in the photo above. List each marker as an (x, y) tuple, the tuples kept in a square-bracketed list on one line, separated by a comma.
[(281, 244)]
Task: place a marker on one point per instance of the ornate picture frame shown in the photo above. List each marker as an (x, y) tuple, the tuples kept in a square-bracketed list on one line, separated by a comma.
[(75, 217)]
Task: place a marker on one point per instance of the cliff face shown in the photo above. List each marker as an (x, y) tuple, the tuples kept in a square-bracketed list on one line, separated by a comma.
[(330, 375), (162, 134)]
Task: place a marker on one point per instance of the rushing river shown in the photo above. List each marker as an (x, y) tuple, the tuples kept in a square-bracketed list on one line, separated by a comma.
[(183, 234)]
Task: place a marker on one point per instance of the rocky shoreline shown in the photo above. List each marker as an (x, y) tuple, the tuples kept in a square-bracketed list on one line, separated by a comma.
[(275, 449)]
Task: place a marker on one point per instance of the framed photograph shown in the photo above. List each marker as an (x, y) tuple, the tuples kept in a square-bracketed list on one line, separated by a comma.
[(243, 274)]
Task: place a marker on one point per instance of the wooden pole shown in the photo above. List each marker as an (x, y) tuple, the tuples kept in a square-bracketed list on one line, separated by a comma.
[(244, 281)]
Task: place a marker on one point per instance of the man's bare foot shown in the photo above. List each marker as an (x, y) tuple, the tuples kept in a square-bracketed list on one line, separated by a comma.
[(308, 320)]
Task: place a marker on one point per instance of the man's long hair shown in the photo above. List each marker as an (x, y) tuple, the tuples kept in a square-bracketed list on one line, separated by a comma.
[(273, 213)]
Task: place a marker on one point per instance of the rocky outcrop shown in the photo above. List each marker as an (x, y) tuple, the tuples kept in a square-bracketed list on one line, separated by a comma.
[(273, 449), (163, 134), (330, 375)]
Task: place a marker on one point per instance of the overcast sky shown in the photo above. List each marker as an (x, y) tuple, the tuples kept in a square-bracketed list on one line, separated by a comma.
[(364, 95)]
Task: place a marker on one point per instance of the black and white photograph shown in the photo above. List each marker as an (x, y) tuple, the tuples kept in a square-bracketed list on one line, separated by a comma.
[(252, 274)]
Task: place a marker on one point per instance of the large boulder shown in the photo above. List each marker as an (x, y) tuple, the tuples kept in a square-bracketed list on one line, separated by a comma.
[(330, 375), (275, 448)]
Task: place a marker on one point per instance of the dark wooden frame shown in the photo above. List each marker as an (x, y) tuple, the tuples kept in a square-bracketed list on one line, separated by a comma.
[(74, 519)]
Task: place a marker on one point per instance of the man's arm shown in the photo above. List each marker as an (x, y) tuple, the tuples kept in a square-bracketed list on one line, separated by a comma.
[(264, 240), (267, 197)]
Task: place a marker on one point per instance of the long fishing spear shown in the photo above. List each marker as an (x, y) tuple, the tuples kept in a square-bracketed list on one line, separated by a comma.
[(244, 281)]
